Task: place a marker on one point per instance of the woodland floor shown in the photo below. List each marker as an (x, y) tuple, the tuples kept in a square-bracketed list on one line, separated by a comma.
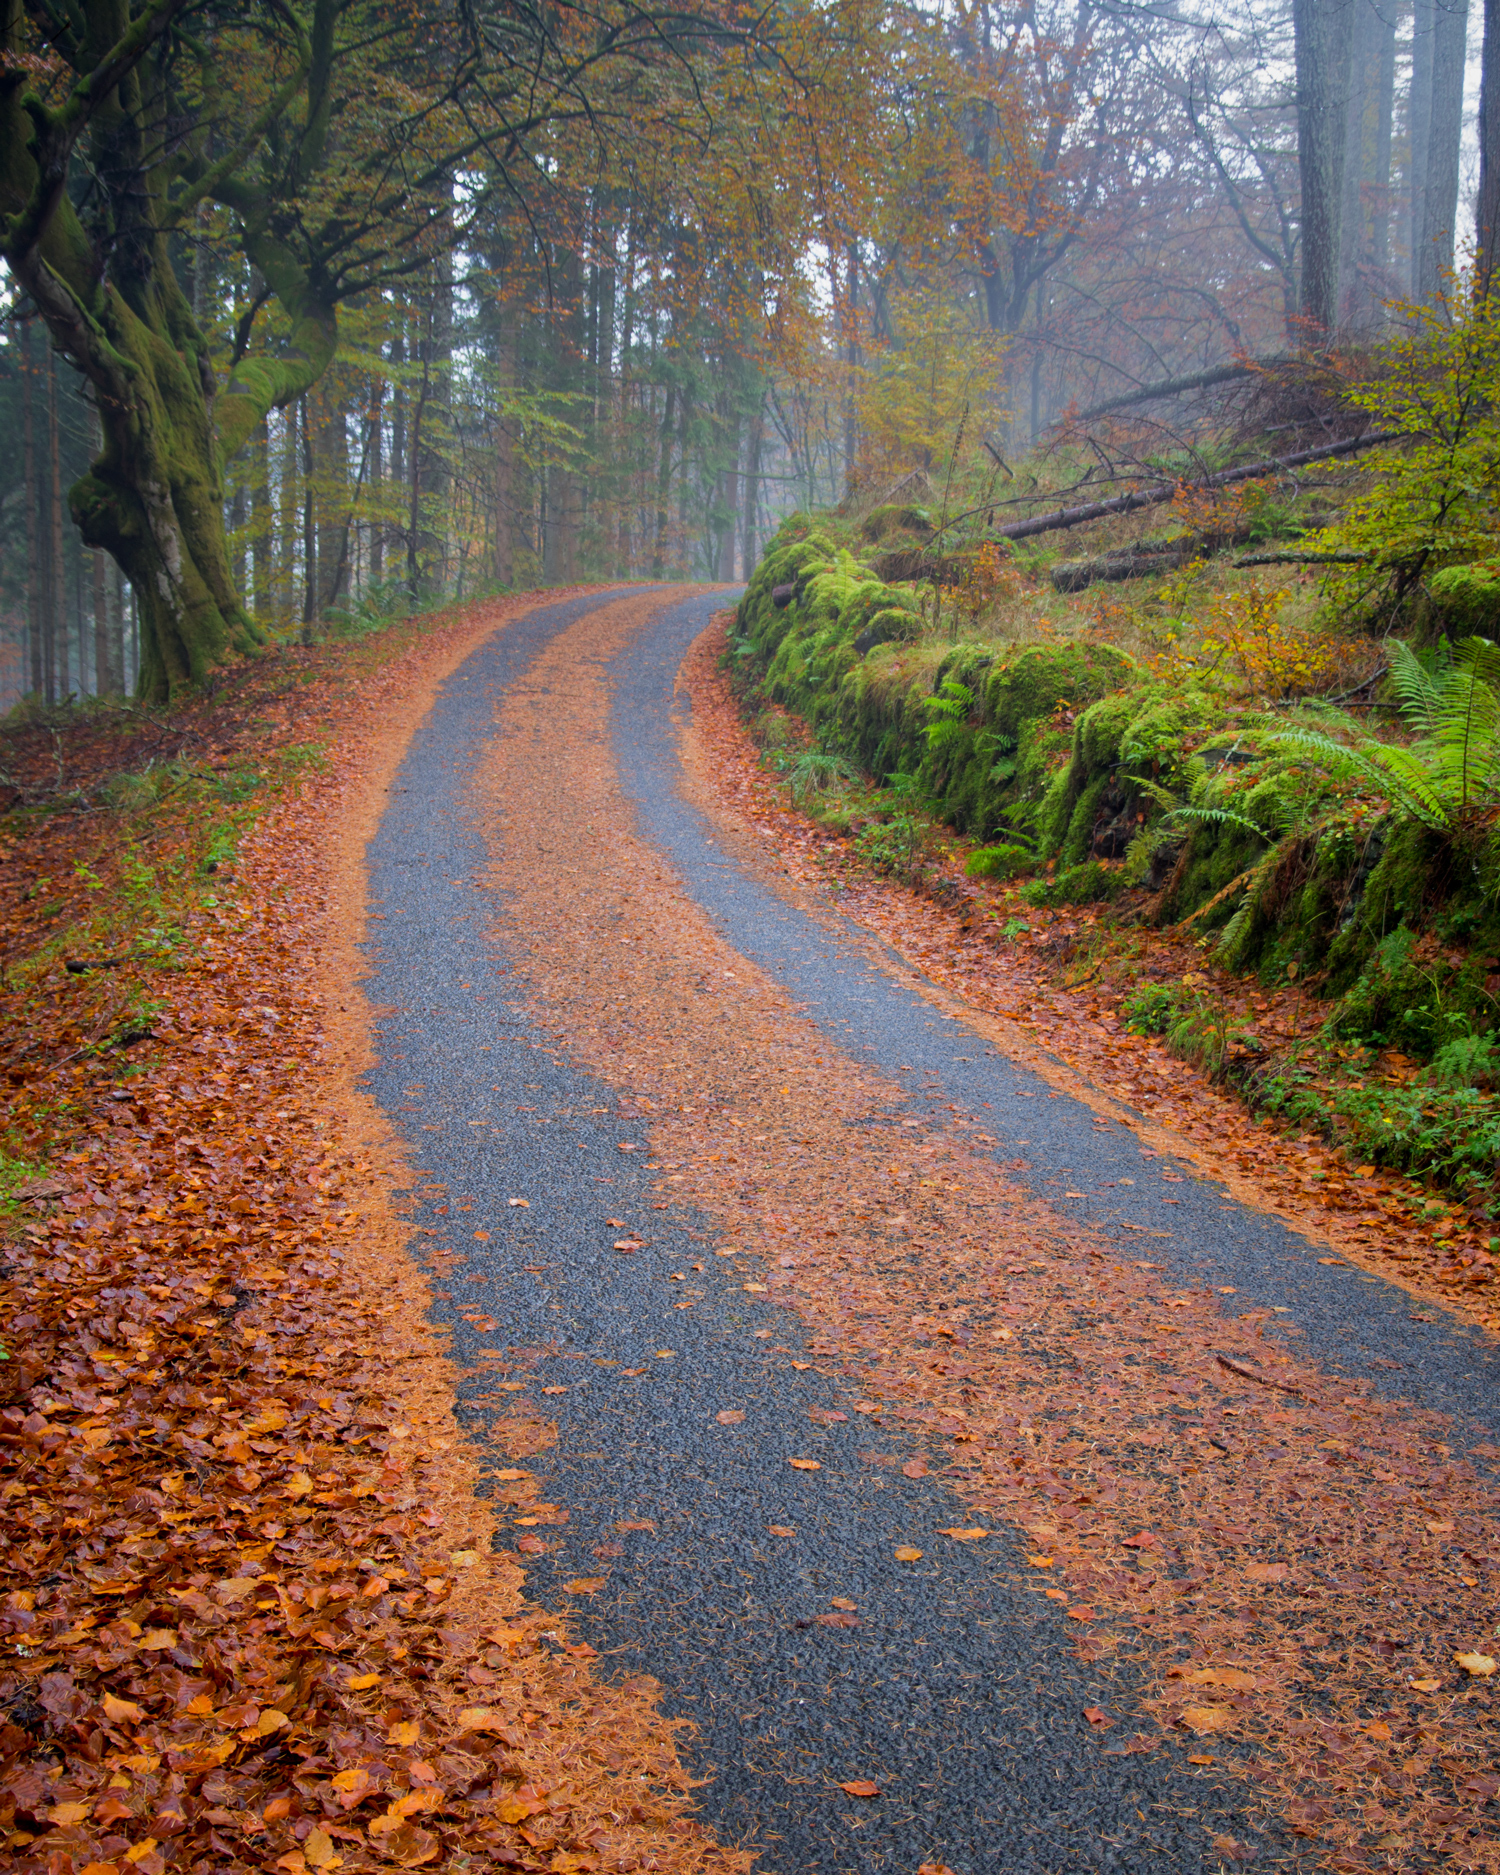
[(999, 1450)]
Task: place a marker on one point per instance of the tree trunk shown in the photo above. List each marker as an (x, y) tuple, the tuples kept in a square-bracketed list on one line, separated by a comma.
[(30, 493), (1487, 214), (505, 447), (102, 684), (752, 486), (55, 639), (376, 534), (1445, 135), (1322, 37), (1385, 111), (260, 511), (1418, 135), (664, 486), (1355, 303)]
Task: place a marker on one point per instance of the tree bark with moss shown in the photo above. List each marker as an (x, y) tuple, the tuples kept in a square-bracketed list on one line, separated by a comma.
[(337, 145)]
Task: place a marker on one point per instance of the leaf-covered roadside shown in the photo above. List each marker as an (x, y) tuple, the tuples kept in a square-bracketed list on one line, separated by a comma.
[(1075, 988), (1289, 1561), (251, 1616)]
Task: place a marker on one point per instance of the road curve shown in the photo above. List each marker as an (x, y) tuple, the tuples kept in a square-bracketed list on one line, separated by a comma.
[(663, 1434)]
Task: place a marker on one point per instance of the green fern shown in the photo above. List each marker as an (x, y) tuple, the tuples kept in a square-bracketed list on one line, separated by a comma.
[(950, 708), (1453, 768)]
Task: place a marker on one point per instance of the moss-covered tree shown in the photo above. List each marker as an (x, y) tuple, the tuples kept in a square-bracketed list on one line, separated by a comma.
[(337, 145)]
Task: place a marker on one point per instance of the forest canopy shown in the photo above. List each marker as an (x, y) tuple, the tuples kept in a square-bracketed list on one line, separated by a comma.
[(320, 309)]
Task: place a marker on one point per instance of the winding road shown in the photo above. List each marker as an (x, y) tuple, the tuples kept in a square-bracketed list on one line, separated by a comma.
[(601, 1003)]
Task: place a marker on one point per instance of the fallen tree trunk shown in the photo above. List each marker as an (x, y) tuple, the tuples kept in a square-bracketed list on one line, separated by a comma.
[(1303, 559), (1164, 491), (1077, 575), (1175, 387)]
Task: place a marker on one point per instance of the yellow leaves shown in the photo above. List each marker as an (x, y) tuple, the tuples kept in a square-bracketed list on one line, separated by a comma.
[(157, 1640), (1426, 1685), (665, 1354), (271, 1721), (236, 1588), (1040, 1562), (1481, 1666), (122, 1711), (731, 1416), (755, 1289), (960, 1534), (861, 1787), (138, 1852), (480, 1719), (1206, 1719), (522, 1204), (804, 1464), (271, 1418), (482, 1236), (584, 1585), (906, 1552), (1235, 1678), (353, 1786), (525, 1802), (319, 1851), (361, 1682), (298, 1485), (781, 1529), (404, 1732), (65, 1813)]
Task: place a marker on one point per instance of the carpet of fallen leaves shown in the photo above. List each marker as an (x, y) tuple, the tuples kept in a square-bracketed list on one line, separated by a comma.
[(1060, 985), (1301, 1570), (251, 1617)]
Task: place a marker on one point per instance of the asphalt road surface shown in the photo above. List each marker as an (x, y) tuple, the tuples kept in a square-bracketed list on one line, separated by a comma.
[(953, 1692)]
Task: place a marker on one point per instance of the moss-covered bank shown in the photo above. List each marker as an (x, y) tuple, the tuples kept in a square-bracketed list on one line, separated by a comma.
[(1069, 762)]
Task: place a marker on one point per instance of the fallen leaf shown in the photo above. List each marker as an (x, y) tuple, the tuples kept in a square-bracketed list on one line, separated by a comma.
[(805, 1464), (781, 1529), (1426, 1685), (914, 1468), (665, 1354), (1040, 1562), (1082, 1613), (64, 1813), (1439, 1528), (1480, 1665), (935, 1868), (626, 1245), (907, 1554), (1203, 1719), (523, 1804), (1233, 1677), (1200, 1757), (524, 1203), (1267, 1572), (585, 1585), (861, 1787), (960, 1535), (317, 1847), (731, 1416), (840, 1601), (482, 1235), (123, 1711), (299, 1484), (404, 1732), (635, 1523), (157, 1640), (359, 1682), (1096, 1715)]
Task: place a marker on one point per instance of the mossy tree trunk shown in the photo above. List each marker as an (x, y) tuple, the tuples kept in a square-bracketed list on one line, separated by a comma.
[(113, 307)]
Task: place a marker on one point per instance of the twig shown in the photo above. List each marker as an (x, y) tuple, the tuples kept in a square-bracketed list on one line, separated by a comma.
[(1263, 1380)]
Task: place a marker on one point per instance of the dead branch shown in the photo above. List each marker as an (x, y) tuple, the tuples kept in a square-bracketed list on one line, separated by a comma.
[(1164, 491)]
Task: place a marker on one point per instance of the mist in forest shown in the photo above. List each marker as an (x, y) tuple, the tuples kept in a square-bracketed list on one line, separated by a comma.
[(314, 315)]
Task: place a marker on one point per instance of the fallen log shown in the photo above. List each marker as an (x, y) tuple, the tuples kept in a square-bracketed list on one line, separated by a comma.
[(1164, 491), (1077, 575), (1175, 387)]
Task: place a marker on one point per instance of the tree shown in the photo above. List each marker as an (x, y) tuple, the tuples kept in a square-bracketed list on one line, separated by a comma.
[(1323, 38), (334, 146)]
